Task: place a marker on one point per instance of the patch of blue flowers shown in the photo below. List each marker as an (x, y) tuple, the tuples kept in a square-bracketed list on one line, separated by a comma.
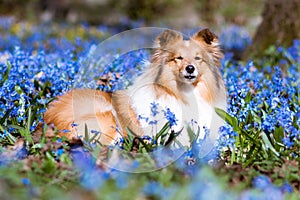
[(235, 38), (266, 100)]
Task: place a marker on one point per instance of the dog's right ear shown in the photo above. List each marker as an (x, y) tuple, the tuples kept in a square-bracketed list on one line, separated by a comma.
[(168, 37)]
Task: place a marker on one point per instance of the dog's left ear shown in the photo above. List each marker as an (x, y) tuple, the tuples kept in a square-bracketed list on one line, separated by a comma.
[(211, 43)]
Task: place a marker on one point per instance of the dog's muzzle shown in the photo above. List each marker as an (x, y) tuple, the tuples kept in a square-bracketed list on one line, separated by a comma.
[(190, 69)]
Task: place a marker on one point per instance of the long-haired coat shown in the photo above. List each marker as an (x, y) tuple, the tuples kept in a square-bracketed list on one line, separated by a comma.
[(183, 77)]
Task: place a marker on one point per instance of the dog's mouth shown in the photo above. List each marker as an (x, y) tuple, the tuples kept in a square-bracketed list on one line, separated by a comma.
[(190, 77)]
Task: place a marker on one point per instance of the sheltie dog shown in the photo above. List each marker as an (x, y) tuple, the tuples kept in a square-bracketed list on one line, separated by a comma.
[(183, 77)]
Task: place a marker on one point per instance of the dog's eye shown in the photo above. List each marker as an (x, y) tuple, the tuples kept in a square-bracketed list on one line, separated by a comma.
[(179, 58), (197, 58)]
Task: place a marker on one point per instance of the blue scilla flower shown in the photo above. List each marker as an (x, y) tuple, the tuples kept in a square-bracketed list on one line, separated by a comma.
[(293, 50), (154, 109), (268, 123), (189, 153), (261, 182), (285, 116), (273, 193), (147, 139), (153, 189), (294, 132), (170, 116), (288, 142), (121, 180), (205, 186), (95, 132), (91, 176), (65, 131), (274, 102), (4, 134), (59, 152), (286, 188), (153, 122), (277, 80), (93, 179), (59, 140), (6, 22), (235, 38), (119, 142), (141, 117), (26, 181), (73, 124), (227, 136)]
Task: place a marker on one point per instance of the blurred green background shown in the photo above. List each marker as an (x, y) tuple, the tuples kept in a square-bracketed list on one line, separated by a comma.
[(172, 13), (269, 22)]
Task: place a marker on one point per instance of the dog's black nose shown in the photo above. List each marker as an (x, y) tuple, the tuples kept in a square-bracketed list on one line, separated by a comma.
[(190, 69)]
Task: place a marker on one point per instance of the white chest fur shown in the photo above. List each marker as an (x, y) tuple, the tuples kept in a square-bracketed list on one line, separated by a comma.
[(190, 110)]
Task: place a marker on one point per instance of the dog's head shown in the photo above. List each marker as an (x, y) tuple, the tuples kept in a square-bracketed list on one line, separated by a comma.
[(190, 60)]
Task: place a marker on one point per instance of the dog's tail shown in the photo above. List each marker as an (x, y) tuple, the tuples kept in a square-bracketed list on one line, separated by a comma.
[(81, 112)]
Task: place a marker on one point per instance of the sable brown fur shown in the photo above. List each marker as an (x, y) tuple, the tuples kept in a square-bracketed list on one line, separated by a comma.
[(165, 78)]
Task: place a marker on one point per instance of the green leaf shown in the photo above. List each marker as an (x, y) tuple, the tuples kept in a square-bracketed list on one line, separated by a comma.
[(233, 156), (249, 118), (256, 117), (1, 128), (94, 137), (253, 140), (37, 146), (193, 136), (11, 139), (228, 118), (248, 97), (49, 165), (130, 133), (163, 131), (266, 105), (279, 134), (5, 117), (29, 120), (86, 133), (65, 159), (128, 141), (268, 144), (6, 74), (24, 132), (171, 138)]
